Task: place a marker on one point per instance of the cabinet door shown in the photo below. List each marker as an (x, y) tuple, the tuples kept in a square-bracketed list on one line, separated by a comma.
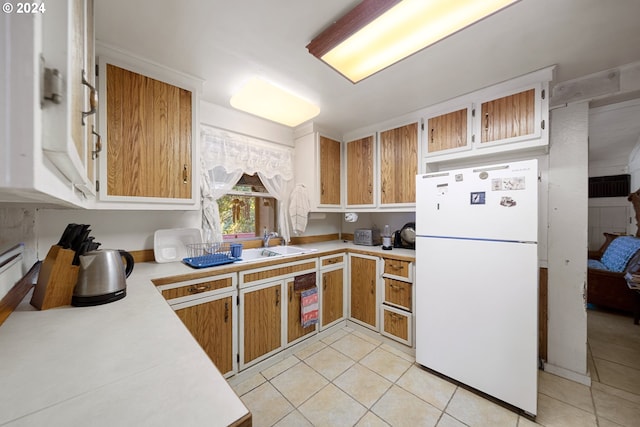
[(211, 324), (360, 172), (262, 319), (332, 296), (398, 164), (447, 131), (148, 137), (294, 315), (508, 117), (329, 171), (363, 289)]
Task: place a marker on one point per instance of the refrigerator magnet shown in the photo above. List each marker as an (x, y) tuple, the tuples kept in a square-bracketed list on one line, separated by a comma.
[(478, 198)]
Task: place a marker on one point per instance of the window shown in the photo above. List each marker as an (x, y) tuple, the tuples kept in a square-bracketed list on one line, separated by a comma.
[(247, 209)]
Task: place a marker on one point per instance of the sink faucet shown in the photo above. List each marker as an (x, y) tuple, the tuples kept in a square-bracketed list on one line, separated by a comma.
[(267, 236)]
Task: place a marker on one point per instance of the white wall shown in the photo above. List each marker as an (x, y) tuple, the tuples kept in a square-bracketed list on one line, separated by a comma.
[(567, 245)]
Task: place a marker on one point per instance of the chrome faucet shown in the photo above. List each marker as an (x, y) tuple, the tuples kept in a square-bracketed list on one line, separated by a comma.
[(267, 236)]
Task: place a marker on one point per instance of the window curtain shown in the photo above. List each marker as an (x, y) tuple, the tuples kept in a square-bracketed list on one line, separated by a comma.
[(225, 156)]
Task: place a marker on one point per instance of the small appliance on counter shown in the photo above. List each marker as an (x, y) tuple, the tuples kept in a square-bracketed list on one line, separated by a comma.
[(405, 237), (367, 237), (102, 277)]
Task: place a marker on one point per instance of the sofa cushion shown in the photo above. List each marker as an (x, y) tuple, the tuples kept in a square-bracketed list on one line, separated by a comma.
[(594, 263), (619, 252)]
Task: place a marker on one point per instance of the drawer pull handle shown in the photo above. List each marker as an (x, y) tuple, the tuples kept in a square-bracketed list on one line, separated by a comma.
[(93, 99), (277, 297), (290, 292), (94, 153), (226, 312), (486, 122), (396, 267), (185, 176), (373, 287), (396, 286), (199, 289), (324, 283)]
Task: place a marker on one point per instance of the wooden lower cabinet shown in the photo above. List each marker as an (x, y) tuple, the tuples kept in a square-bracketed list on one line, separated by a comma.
[(363, 289), (261, 312), (294, 315), (332, 288), (211, 324), (396, 324)]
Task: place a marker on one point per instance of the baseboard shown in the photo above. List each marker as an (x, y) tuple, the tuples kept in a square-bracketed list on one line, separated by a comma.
[(568, 374)]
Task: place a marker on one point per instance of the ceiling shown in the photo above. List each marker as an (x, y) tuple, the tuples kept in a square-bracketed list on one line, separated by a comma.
[(227, 42)]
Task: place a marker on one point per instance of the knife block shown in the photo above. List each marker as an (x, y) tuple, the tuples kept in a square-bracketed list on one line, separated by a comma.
[(57, 279)]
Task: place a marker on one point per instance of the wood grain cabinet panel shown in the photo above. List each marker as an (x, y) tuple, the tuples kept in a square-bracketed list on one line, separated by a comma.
[(447, 131), (363, 289), (360, 171), (332, 296), (294, 315), (148, 137), (396, 324), (211, 324), (398, 164), (398, 293), (262, 325), (329, 171), (508, 117)]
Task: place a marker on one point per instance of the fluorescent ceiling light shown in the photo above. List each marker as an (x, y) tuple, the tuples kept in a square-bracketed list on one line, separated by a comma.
[(379, 33), (265, 100)]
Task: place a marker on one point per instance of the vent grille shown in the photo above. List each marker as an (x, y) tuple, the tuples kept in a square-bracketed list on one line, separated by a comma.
[(609, 186)]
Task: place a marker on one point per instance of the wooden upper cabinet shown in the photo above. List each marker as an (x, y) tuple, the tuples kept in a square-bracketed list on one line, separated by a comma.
[(360, 168), (508, 117), (329, 171), (447, 131), (149, 125), (398, 164)]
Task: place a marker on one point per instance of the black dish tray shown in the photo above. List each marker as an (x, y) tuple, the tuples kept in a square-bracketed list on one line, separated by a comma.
[(210, 260)]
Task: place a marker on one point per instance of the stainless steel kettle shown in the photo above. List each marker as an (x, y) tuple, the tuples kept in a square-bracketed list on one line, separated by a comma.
[(102, 277)]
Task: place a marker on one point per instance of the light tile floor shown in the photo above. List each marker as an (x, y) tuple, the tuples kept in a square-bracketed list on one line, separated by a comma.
[(352, 379)]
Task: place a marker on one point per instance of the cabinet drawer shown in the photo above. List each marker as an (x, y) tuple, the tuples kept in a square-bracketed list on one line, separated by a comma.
[(396, 324), (398, 268), (331, 260), (398, 293), (195, 287)]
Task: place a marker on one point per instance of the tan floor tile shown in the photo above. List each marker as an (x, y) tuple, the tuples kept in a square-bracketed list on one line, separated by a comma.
[(554, 413), (401, 408), (330, 339), (248, 384), (371, 420), (298, 383), (618, 376), (447, 420), (391, 349), (362, 384), (634, 398), (386, 364), (332, 407), (474, 410), (623, 354), (266, 405), (525, 422), (615, 409), (329, 362), (591, 365), (606, 423), (567, 391), (427, 386), (353, 346), (310, 349), (294, 419), (368, 338), (278, 368)]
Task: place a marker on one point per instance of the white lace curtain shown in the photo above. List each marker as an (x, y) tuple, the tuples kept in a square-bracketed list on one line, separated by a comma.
[(225, 156)]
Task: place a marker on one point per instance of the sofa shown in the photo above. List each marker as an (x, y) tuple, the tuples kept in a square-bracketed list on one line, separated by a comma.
[(606, 285)]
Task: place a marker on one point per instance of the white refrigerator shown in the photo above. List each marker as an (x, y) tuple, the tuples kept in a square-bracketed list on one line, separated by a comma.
[(477, 278)]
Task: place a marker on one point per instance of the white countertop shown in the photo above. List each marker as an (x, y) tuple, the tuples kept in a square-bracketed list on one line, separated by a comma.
[(130, 362)]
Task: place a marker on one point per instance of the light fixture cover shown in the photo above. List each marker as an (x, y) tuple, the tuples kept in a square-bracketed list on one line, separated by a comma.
[(379, 33), (265, 100)]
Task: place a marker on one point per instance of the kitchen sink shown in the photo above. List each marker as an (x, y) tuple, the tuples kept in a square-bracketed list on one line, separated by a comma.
[(257, 254)]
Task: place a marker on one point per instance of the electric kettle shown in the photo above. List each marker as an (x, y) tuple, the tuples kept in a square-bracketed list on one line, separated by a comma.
[(102, 277)]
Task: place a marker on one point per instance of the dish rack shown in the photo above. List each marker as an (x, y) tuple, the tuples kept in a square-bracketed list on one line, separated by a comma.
[(202, 255)]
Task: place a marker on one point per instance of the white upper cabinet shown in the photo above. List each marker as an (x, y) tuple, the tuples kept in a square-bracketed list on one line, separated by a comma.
[(47, 117)]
